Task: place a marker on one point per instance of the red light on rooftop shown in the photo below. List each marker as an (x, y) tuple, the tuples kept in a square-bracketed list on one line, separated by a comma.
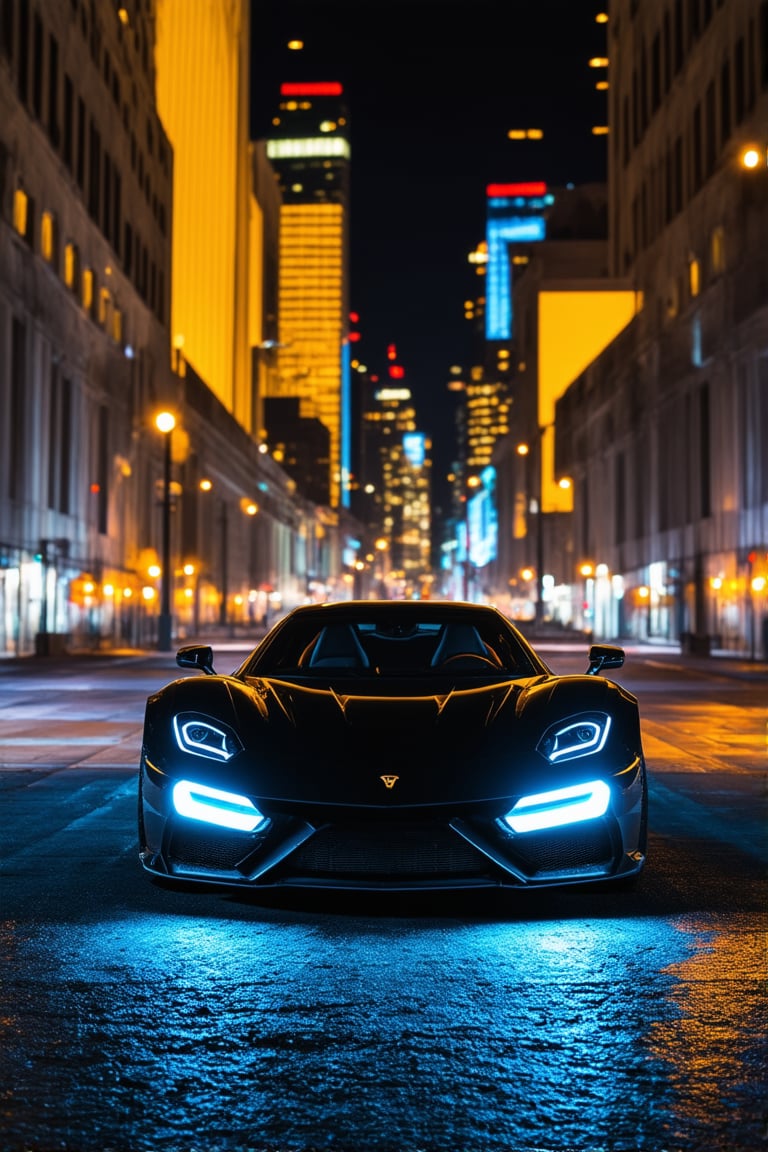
[(533, 188), (354, 337), (396, 372), (331, 88), (391, 352), (354, 317)]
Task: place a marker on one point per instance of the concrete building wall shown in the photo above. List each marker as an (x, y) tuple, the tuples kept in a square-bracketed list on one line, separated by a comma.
[(665, 432)]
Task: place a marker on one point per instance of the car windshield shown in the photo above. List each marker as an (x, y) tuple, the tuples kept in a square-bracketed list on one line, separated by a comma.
[(401, 642)]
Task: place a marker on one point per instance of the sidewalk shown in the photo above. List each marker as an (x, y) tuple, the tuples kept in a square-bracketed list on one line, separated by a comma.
[(669, 652)]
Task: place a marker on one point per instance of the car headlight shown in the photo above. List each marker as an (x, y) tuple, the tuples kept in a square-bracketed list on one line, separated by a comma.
[(202, 737), (559, 807), (577, 736), (213, 806)]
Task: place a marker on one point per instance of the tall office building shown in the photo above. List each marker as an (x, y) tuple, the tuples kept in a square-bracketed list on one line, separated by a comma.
[(201, 60), (398, 471), (310, 151)]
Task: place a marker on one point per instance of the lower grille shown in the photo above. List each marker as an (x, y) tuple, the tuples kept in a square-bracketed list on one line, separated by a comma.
[(573, 849), (397, 850), (221, 852)]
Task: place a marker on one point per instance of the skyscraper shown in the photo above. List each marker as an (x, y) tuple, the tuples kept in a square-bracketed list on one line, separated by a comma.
[(310, 151), (201, 58)]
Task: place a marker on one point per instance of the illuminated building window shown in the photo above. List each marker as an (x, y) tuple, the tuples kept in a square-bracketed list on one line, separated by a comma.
[(673, 299), (117, 326), (306, 149), (105, 303), (87, 290), (48, 237), (718, 249), (22, 213), (694, 277), (71, 265)]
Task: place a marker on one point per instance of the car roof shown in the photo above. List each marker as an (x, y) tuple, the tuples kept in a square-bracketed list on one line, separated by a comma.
[(434, 610)]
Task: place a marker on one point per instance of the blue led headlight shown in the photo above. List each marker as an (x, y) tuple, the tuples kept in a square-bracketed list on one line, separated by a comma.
[(558, 807), (203, 737), (214, 806), (575, 737)]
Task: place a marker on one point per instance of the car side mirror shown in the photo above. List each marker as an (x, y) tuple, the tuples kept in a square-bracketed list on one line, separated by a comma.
[(604, 656), (199, 656)]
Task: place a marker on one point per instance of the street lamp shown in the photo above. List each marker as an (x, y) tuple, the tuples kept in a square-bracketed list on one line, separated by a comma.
[(587, 572), (754, 156), (533, 505), (644, 596), (206, 485), (165, 422)]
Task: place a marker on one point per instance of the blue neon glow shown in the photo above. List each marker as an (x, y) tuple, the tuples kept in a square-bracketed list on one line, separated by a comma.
[(202, 737), (482, 521), (226, 809), (345, 426), (500, 232), (415, 448), (559, 807), (579, 736)]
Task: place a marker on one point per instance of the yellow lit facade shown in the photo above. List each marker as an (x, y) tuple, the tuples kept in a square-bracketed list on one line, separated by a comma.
[(487, 418), (312, 317), (574, 328), (202, 98), (404, 457), (310, 150)]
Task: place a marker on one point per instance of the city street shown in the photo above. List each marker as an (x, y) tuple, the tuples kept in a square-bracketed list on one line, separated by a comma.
[(137, 1019)]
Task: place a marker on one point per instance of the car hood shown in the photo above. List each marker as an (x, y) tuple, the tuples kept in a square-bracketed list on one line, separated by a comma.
[(324, 746)]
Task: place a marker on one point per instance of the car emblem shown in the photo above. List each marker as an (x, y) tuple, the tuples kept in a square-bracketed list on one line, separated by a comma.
[(389, 781)]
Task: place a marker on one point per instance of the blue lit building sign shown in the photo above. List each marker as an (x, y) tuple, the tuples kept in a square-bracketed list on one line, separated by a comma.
[(482, 527), (345, 425), (516, 214), (414, 448)]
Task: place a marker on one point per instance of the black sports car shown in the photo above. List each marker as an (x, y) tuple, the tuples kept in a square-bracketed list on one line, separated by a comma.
[(393, 745)]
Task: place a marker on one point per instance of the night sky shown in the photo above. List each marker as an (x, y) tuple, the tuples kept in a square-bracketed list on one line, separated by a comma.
[(432, 88)]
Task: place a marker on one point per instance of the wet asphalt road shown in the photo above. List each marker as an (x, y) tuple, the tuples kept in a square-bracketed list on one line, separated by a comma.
[(135, 1019)]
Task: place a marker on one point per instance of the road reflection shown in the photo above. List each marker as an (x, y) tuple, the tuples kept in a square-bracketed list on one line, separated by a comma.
[(716, 1042), (303, 1030)]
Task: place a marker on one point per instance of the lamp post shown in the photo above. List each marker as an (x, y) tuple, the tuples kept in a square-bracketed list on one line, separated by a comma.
[(757, 586), (224, 526), (539, 553), (586, 571), (472, 483), (206, 485), (533, 506), (165, 422)]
